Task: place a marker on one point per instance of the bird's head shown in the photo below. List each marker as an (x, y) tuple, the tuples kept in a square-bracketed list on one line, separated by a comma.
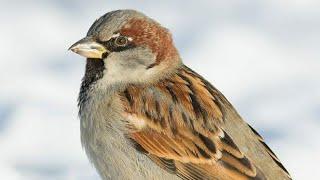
[(125, 46)]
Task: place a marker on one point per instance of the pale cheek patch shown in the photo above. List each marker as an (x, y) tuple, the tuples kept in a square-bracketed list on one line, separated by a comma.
[(135, 121)]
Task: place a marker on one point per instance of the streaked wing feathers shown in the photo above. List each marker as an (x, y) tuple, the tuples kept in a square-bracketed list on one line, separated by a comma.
[(178, 124)]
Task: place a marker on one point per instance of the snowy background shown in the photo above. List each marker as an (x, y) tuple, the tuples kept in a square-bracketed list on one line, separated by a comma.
[(263, 55)]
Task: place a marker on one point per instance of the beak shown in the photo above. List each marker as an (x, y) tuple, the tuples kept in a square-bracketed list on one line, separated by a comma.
[(89, 48)]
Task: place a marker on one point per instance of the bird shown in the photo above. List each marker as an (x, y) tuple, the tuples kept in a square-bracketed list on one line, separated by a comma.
[(145, 115)]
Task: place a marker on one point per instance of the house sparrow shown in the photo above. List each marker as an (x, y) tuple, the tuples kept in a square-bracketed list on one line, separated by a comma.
[(145, 115)]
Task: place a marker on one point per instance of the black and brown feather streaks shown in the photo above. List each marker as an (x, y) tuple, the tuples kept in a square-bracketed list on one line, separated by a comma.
[(183, 133)]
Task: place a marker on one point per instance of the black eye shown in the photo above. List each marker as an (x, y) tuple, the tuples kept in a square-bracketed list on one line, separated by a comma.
[(121, 41)]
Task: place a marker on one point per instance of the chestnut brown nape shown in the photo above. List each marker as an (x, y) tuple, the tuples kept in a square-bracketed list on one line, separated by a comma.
[(153, 35)]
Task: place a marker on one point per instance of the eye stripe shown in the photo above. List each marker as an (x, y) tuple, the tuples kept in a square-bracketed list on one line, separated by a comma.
[(115, 35), (114, 46)]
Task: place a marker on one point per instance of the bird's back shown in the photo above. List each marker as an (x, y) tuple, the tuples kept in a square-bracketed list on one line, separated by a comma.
[(248, 140)]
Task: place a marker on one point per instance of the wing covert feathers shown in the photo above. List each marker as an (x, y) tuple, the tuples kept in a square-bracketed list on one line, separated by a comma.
[(178, 123)]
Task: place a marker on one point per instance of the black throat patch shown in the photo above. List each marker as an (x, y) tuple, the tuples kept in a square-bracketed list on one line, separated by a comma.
[(93, 72)]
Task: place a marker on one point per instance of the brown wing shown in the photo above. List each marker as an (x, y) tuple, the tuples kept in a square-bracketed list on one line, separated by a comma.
[(178, 123)]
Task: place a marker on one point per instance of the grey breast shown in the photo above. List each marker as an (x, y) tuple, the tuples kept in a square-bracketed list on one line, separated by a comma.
[(103, 137)]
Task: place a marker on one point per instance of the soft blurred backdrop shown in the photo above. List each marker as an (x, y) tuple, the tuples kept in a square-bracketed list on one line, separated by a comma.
[(263, 55)]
